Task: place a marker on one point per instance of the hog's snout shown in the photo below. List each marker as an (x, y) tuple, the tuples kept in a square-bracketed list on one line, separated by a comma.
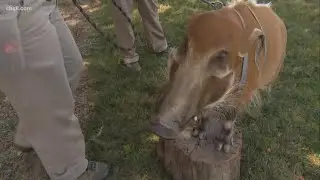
[(162, 130)]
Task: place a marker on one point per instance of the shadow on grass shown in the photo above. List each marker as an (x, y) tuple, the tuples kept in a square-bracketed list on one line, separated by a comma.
[(277, 145)]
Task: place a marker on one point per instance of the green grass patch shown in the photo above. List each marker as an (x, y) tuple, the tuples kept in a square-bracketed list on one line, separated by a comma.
[(280, 144)]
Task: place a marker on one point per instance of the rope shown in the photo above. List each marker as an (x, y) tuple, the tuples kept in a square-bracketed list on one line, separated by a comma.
[(94, 25), (215, 5)]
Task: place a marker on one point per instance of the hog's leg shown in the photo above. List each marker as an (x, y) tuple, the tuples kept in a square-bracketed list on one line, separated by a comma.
[(217, 120)]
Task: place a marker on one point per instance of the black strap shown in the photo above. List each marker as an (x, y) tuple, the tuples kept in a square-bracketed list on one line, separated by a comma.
[(244, 70)]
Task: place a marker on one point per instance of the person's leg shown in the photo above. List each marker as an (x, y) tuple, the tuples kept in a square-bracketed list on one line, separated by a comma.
[(72, 57), (44, 102), (72, 61), (148, 10), (124, 33), (43, 99)]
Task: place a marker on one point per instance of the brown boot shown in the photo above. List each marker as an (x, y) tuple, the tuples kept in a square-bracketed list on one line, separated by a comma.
[(132, 62)]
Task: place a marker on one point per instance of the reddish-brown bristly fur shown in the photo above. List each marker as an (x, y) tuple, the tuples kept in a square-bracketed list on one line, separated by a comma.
[(205, 70), (210, 31)]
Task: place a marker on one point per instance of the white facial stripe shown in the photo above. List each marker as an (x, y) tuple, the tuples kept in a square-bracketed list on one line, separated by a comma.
[(242, 54), (223, 74)]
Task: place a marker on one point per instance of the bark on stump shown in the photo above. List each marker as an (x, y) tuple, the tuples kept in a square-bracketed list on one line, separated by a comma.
[(194, 160)]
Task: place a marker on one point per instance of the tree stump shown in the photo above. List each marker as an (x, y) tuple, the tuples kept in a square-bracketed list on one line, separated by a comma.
[(191, 159)]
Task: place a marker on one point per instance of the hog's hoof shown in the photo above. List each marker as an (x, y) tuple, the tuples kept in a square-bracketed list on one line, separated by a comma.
[(163, 131), (217, 129)]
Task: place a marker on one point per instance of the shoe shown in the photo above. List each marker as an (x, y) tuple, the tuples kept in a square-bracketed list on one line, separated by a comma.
[(159, 53), (135, 66), (23, 149), (84, 2), (95, 171), (89, 2)]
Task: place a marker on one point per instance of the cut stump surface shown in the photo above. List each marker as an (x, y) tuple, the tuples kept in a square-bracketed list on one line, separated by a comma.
[(191, 159)]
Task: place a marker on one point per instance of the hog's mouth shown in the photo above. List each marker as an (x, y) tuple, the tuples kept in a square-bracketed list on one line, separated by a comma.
[(166, 132), (173, 129), (163, 131), (157, 126)]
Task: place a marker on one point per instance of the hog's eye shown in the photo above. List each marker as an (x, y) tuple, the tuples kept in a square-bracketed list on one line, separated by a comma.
[(221, 56), (219, 61)]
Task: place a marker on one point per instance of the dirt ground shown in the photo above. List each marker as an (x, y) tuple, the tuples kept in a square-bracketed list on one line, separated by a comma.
[(15, 165)]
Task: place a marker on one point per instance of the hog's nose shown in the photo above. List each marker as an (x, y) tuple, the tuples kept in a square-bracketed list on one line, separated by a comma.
[(161, 130)]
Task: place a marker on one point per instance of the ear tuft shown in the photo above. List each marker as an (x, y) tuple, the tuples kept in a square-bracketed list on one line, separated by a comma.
[(255, 34)]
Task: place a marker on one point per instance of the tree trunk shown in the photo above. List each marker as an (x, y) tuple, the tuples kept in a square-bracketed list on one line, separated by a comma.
[(195, 160)]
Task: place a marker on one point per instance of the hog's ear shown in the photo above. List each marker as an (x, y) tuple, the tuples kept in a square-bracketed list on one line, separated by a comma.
[(173, 62), (255, 35)]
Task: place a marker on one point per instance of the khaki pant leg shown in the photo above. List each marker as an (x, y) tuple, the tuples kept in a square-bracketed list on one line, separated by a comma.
[(148, 10), (72, 61), (41, 95), (123, 30), (72, 57)]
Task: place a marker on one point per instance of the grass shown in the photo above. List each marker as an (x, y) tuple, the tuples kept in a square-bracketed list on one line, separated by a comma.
[(282, 143)]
